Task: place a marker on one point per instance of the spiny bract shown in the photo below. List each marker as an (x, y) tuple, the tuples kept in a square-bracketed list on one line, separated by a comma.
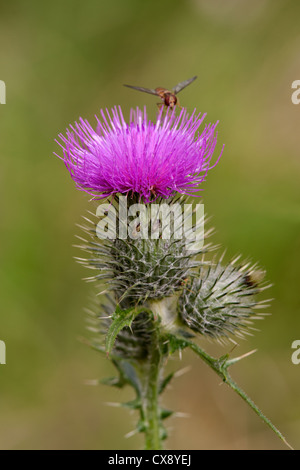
[(139, 269), (220, 300)]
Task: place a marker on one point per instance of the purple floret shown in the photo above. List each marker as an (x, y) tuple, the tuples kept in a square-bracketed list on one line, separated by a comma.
[(152, 159)]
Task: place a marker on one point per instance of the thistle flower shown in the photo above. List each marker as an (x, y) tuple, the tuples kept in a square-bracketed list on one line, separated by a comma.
[(220, 302), (150, 159), (156, 284)]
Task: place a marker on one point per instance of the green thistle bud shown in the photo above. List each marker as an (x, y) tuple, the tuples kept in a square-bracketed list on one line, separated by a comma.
[(220, 302), (141, 268)]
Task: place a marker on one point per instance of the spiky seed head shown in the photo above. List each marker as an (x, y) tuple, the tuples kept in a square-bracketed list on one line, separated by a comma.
[(139, 269), (220, 302)]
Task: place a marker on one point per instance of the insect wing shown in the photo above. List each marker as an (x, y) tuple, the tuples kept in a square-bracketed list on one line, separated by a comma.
[(182, 85), (144, 90)]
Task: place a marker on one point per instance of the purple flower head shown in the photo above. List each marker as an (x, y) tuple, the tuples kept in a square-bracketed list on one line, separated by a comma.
[(151, 159)]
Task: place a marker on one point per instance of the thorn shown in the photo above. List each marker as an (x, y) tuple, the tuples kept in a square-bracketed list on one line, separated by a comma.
[(131, 433), (113, 404), (235, 344), (92, 382), (223, 255), (102, 292), (286, 443), (182, 371), (180, 414), (230, 362)]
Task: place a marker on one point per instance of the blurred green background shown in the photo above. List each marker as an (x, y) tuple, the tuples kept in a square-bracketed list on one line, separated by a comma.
[(62, 60)]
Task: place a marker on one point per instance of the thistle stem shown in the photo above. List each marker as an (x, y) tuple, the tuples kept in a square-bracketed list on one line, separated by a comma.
[(220, 366), (150, 400)]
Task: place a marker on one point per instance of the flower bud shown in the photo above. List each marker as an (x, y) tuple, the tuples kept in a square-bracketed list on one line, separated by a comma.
[(220, 302)]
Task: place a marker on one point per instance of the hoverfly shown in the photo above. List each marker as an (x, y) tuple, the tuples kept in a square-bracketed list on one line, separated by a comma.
[(168, 97)]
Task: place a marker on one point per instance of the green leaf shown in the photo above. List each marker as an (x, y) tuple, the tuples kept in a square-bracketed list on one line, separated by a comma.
[(165, 382), (120, 319), (166, 413), (129, 375), (113, 382), (133, 404)]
